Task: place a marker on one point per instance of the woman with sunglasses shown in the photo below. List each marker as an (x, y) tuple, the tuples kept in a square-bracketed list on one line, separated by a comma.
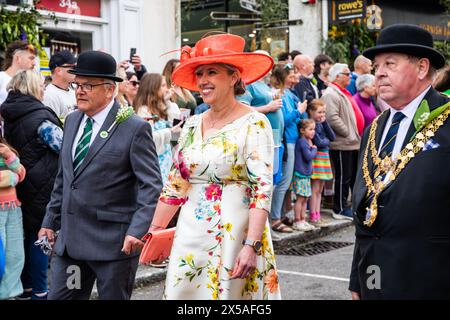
[(131, 87)]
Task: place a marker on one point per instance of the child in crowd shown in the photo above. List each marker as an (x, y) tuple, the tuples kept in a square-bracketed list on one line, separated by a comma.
[(321, 165), (305, 151), (11, 227)]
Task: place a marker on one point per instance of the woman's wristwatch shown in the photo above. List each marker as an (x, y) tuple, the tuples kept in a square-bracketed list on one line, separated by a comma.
[(255, 244)]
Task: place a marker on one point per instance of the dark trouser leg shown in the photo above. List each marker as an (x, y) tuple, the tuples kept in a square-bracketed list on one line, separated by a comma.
[(63, 284), (34, 274), (115, 279), (345, 170)]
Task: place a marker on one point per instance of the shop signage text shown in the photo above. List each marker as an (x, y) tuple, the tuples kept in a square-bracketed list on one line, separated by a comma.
[(234, 16), (82, 7), (342, 10)]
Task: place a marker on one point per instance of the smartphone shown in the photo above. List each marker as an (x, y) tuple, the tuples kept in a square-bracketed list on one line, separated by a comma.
[(304, 95), (177, 121), (132, 53)]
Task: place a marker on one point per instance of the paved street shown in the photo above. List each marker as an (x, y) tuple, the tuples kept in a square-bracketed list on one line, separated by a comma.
[(319, 277)]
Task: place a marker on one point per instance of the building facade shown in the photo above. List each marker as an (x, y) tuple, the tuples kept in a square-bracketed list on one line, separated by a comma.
[(115, 26)]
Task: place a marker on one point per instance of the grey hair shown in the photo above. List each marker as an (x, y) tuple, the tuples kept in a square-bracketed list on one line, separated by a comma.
[(363, 81), (27, 82), (335, 70)]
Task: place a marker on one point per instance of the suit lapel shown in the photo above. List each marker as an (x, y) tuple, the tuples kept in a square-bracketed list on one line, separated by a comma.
[(434, 100), (99, 142)]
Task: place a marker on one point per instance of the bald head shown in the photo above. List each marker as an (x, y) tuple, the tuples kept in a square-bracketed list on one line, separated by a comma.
[(304, 65), (362, 65)]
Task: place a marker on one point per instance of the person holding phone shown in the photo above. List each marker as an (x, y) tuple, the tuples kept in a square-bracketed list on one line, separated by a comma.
[(153, 104)]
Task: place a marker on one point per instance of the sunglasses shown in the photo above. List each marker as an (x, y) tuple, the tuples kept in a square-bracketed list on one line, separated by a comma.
[(134, 83), (345, 73)]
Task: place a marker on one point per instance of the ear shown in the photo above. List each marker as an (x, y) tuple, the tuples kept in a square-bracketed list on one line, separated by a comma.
[(234, 79), (423, 68)]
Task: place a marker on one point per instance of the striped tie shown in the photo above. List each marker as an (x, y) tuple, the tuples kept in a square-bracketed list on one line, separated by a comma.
[(83, 145), (389, 140)]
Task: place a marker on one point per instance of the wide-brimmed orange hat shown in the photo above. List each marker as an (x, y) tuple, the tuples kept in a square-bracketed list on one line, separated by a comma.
[(220, 48)]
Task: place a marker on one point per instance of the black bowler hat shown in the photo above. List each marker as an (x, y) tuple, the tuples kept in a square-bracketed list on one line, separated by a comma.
[(408, 39), (96, 64)]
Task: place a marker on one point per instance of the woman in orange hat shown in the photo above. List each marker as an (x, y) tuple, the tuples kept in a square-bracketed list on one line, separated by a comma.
[(222, 178)]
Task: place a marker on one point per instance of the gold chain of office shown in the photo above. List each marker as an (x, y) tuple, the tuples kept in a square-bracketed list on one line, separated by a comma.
[(383, 166)]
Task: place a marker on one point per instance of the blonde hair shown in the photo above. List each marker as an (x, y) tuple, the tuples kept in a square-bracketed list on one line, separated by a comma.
[(27, 82)]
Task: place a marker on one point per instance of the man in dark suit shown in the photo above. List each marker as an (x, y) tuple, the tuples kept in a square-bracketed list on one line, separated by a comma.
[(105, 192), (401, 203)]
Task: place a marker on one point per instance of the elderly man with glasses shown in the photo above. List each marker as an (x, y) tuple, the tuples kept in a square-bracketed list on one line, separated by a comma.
[(105, 192)]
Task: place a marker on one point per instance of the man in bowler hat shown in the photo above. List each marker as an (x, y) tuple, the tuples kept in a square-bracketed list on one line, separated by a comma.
[(401, 202), (105, 192)]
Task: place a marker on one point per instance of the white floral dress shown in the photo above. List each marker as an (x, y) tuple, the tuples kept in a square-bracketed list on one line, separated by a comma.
[(218, 180)]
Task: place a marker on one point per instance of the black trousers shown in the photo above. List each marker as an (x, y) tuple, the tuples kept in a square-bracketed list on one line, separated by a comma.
[(345, 164), (73, 279)]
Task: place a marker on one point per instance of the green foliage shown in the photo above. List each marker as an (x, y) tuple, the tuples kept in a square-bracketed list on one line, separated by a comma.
[(25, 20), (347, 41), (445, 4), (274, 10), (444, 48)]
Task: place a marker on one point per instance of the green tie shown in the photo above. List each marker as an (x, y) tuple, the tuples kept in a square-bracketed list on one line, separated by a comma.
[(83, 145)]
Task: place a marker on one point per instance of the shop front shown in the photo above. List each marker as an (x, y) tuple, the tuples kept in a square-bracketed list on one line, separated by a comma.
[(236, 17)]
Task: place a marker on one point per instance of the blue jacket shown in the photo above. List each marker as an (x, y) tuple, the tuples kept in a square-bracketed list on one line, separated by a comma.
[(324, 134), (304, 153), (291, 116)]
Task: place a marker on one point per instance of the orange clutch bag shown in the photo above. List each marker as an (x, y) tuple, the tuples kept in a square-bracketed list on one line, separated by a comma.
[(157, 245)]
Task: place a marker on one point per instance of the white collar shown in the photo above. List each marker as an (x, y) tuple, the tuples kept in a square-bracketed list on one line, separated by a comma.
[(100, 117), (410, 109)]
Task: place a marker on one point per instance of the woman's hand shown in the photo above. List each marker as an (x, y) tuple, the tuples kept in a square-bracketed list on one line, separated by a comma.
[(245, 263), (274, 105), (301, 106), (177, 128)]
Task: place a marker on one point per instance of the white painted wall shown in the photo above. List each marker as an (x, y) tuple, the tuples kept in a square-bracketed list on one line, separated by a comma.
[(161, 32), (151, 26), (307, 37)]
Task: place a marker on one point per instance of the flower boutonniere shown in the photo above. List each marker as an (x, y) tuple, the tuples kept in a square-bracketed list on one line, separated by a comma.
[(123, 114), (424, 116)]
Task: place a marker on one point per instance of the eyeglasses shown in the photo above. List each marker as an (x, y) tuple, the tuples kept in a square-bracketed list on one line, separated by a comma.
[(134, 83), (345, 73), (86, 86)]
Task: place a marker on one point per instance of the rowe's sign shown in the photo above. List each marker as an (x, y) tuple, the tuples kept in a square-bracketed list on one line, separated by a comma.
[(343, 10)]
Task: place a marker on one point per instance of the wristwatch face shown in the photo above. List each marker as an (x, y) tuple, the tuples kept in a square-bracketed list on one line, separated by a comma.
[(257, 245)]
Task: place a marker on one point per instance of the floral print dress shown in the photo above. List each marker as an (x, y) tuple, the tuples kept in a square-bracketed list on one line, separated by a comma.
[(217, 180)]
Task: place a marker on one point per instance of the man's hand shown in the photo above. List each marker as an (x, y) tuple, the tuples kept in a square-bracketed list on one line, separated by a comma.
[(136, 62), (355, 295), (132, 245), (49, 233), (245, 263)]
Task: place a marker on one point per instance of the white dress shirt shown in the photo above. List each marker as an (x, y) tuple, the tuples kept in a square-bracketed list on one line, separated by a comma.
[(98, 120), (409, 111)]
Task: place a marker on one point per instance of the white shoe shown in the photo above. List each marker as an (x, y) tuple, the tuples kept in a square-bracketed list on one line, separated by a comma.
[(302, 226), (310, 226)]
